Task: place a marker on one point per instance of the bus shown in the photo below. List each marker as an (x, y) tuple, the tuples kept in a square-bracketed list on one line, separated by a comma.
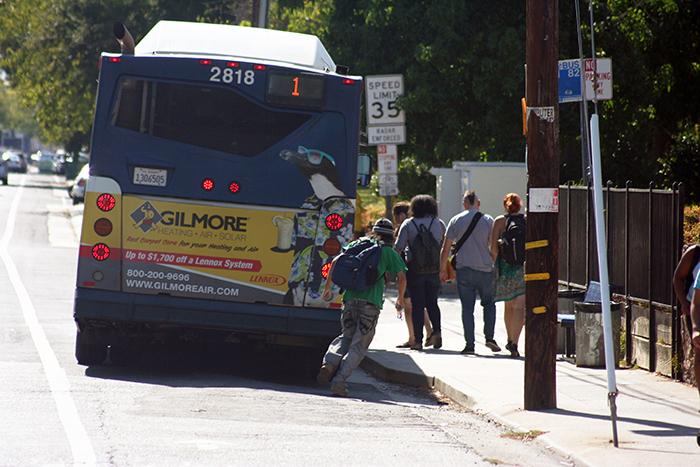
[(222, 183)]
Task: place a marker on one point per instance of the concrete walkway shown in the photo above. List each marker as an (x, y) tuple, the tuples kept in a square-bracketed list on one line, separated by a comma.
[(658, 418)]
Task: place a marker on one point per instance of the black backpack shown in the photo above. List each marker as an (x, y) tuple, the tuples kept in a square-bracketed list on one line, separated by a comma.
[(357, 268), (424, 251), (513, 240)]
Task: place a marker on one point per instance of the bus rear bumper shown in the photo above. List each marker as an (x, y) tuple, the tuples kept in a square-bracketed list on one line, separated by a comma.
[(107, 308)]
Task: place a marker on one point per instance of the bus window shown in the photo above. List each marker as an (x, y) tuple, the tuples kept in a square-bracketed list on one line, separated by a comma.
[(204, 116), (129, 104)]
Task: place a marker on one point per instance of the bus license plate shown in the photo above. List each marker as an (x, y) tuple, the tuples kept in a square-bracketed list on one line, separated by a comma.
[(152, 177)]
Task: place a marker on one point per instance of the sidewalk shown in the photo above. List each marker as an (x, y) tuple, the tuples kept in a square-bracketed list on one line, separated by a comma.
[(657, 417)]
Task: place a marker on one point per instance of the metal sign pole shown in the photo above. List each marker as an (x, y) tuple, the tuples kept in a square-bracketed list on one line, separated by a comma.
[(603, 270)]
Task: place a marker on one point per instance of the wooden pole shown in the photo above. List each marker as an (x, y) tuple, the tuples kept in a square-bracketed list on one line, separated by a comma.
[(542, 262)]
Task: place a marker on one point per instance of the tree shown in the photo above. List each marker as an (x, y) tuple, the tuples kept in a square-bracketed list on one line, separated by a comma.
[(655, 110), (463, 67), (51, 50)]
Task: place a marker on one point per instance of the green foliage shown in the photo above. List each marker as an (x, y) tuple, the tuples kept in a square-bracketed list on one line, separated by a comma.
[(649, 128), (50, 50), (13, 114), (462, 64)]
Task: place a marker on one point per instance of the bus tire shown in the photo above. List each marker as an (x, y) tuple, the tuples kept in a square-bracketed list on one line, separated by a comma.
[(89, 350)]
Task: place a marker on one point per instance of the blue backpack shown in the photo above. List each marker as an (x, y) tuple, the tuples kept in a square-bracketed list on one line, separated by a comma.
[(357, 267)]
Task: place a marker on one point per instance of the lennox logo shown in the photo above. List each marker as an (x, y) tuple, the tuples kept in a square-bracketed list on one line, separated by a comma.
[(146, 216), (269, 279)]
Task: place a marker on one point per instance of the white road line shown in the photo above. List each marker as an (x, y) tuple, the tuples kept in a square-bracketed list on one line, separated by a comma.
[(80, 444)]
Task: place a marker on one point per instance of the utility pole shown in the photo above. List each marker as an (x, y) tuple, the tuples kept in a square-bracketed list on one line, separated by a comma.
[(541, 274)]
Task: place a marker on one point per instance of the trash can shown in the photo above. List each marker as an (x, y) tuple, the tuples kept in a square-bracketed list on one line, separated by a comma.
[(590, 346), (565, 305)]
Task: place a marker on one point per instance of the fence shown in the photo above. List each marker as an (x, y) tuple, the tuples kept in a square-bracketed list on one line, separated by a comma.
[(644, 232)]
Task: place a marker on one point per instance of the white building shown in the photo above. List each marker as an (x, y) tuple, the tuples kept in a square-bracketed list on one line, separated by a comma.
[(491, 181)]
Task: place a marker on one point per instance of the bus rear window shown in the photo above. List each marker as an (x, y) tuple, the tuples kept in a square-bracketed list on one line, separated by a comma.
[(210, 117)]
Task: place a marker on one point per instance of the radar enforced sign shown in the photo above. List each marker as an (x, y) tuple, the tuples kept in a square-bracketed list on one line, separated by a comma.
[(206, 251)]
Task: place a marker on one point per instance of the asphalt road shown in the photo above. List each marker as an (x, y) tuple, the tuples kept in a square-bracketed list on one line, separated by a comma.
[(191, 405)]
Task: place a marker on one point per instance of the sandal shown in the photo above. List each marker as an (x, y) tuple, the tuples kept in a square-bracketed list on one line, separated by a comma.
[(405, 345), (427, 340)]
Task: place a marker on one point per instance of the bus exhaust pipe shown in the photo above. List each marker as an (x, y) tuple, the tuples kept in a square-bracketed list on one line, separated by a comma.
[(125, 39)]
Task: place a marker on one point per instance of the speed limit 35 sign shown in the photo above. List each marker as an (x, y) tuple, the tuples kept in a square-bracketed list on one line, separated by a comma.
[(385, 121), (382, 92)]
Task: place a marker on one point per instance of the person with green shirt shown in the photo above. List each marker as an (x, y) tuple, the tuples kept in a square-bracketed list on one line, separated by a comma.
[(360, 312)]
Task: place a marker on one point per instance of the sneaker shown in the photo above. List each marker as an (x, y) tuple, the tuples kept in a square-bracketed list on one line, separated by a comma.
[(325, 373), (405, 345), (491, 344), (417, 346), (339, 390), (468, 350), (513, 349), (436, 341)]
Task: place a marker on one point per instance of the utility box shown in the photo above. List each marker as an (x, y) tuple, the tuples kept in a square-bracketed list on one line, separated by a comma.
[(491, 181)]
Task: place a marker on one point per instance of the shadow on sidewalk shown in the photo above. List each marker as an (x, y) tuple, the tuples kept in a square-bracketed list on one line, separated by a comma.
[(656, 428)]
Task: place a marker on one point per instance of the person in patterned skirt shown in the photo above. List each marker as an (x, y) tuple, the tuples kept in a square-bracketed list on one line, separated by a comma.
[(510, 279)]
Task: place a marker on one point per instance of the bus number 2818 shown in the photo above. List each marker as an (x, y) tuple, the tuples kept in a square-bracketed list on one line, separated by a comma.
[(227, 75)]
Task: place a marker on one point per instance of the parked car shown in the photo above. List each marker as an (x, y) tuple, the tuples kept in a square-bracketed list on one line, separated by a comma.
[(15, 161), (77, 189), (47, 163), (3, 172)]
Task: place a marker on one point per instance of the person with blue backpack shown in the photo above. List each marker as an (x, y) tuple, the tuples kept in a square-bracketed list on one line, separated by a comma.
[(420, 237), (359, 271)]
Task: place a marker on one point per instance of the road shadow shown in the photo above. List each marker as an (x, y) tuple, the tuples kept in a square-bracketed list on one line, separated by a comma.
[(655, 427), (289, 370)]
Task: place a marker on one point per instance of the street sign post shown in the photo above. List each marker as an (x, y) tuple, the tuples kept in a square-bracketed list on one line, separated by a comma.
[(386, 135), (387, 158), (386, 123), (570, 79), (387, 163), (386, 127), (382, 92), (388, 184)]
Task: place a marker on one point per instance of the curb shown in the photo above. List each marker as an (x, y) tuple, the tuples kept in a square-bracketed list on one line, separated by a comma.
[(381, 371)]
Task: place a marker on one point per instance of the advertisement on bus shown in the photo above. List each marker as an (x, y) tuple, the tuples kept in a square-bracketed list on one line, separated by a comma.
[(223, 252)]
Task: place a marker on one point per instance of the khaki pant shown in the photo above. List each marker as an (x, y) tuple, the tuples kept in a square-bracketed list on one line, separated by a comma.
[(359, 321)]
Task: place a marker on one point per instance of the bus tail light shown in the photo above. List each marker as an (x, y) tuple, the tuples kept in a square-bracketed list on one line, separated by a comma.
[(334, 221), (114, 59), (207, 184), (233, 64), (106, 202), (258, 67), (325, 269), (234, 187), (348, 81), (331, 247), (205, 61), (100, 251), (103, 227)]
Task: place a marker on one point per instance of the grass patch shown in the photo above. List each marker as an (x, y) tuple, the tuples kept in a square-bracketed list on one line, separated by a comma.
[(523, 435)]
